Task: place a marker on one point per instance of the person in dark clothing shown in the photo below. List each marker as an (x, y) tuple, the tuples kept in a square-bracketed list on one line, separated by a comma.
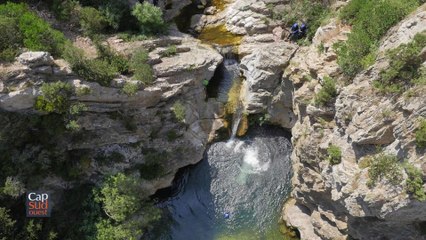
[(303, 30), (294, 32)]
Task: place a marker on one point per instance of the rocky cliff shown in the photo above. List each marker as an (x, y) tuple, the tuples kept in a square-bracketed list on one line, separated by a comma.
[(117, 124), (336, 201)]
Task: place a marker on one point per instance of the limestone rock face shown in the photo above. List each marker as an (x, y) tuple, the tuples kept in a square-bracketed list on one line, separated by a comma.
[(334, 201), (262, 70), (115, 122)]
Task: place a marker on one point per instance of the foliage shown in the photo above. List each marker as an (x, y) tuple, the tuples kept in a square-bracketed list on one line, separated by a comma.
[(326, 93), (311, 12), (106, 230), (170, 51), (22, 28), (384, 166), (153, 168), (7, 224), (10, 38), (120, 196), (150, 18), (38, 35), (77, 108), (116, 60), (72, 126), (421, 134), (371, 20), (13, 187), (334, 154), (414, 182), (404, 66), (180, 111), (64, 10), (84, 90), (95, 70), (139, 66), (54, 98), (130, 88), (92, 21)]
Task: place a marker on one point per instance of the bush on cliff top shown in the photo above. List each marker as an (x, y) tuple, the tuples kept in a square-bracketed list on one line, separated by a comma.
[(150, 18), (21, 27), (370, 20), (405, 64)]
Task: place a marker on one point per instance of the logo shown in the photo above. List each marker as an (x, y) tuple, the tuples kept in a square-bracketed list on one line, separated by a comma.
[(38, 204)]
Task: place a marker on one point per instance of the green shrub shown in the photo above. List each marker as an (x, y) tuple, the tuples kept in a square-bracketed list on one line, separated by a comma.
[(95, 70), (139, 66), (150, 171), (179, 111), (384, 166), (10, 38), (414, 182), (54, 97), (7, 224), (150, 18), (115, 12), (334, 154), (72, 126), (107, 230), (172, 135), (312, 12), (326, 93), (22, 28), (92, 21), (13, 187), (371, 20), (82, 91), (404, 66), (421, 135), (153, 167), (64, 10), (120, 196), (38, 35), (130, 88), (116, 60), (170, 51)]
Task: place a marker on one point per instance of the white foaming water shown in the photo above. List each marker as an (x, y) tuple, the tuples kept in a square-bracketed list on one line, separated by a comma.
[(251, 157)]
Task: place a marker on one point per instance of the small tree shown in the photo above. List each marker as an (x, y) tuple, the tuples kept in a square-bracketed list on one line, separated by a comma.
[(150, 18)]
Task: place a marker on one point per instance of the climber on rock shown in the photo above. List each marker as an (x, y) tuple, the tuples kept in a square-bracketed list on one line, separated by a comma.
[(294, 32), (303, 30)]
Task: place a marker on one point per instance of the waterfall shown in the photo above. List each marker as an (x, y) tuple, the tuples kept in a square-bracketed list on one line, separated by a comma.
[(236, 119)]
